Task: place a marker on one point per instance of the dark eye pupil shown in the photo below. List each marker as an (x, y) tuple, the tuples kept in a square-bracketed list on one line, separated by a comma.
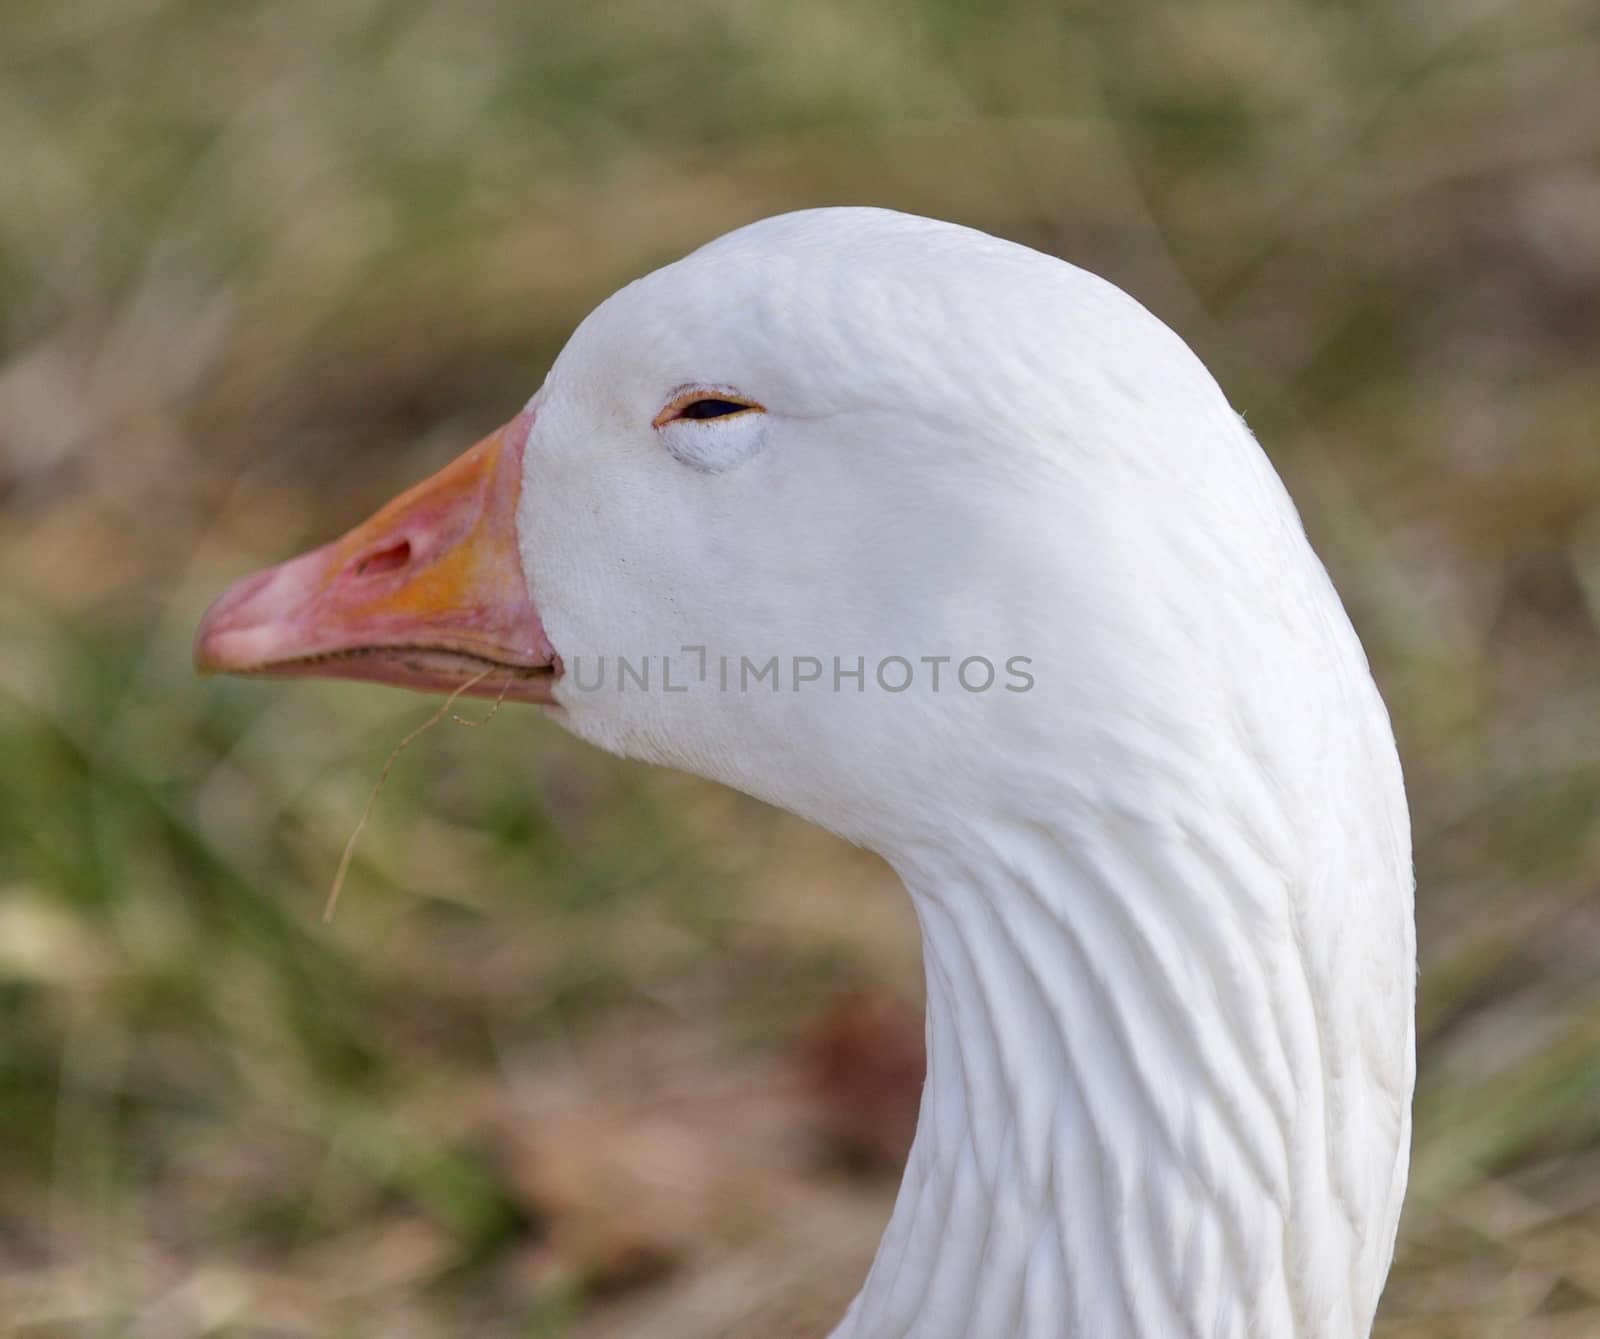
[(711, 409)]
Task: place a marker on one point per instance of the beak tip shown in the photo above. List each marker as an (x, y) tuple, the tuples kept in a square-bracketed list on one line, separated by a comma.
[(208, 663), (252, 621), (204, 652), (205, 664), (227, 639)]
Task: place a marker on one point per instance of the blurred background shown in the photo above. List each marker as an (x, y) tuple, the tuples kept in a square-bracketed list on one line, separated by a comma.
[(592, 1050)]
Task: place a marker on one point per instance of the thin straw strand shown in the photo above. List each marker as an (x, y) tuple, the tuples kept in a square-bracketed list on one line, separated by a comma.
[(468, 720), (383, 776)]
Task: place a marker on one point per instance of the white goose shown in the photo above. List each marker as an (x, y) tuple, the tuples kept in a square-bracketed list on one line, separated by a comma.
[(1161, 860)]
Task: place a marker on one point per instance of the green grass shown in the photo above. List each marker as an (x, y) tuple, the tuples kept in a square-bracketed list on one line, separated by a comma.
[(262, 264)]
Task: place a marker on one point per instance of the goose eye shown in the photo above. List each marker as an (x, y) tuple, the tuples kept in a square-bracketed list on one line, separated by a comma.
[(700, 405), (712, 409)]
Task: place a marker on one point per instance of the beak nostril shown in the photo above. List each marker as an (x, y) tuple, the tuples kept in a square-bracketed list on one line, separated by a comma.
[(390, 558)]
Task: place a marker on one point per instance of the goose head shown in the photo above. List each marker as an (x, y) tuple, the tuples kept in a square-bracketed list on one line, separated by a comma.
[(824, 511), (956, 550)]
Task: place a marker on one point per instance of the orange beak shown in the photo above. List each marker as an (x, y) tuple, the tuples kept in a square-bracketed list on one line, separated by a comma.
[(427, 594)]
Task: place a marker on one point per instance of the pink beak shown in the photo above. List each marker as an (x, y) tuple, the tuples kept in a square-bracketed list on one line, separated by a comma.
[(427, 594)]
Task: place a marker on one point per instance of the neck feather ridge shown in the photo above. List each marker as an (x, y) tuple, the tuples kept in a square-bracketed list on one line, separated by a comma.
[(1120, 1051)]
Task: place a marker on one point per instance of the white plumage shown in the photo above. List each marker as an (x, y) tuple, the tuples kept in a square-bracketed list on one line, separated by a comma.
[(1165, 895), (1165, 892)]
